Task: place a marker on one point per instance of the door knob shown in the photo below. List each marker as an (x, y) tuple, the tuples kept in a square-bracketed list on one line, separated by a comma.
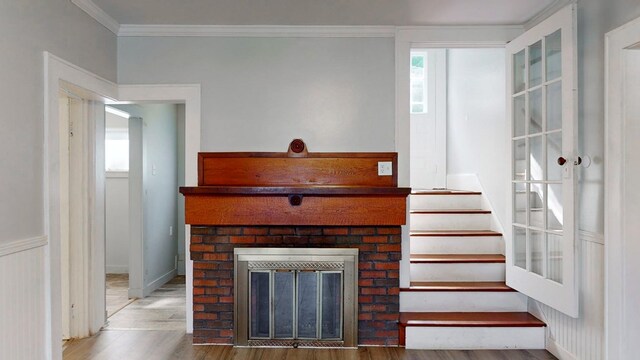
[(561, 161)]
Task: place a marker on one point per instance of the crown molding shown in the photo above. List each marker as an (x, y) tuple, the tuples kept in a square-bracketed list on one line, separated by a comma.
[(98, 14), (257, 31), (546, 12)]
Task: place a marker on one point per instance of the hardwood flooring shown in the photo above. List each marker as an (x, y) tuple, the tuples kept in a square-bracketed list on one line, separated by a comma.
[(165, 345), (117, 293), (164, 309)]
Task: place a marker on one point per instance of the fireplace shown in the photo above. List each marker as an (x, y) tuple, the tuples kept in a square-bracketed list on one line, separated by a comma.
[(296, 297), (296, 248)]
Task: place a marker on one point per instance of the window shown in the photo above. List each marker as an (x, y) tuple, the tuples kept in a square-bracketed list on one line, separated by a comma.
[(418, 78), (116, 144)]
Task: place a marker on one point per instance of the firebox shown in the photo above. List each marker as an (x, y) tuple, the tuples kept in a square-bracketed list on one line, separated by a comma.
[(300, 297)]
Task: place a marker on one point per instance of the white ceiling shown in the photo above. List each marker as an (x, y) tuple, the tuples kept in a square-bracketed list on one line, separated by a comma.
[(323, 12)]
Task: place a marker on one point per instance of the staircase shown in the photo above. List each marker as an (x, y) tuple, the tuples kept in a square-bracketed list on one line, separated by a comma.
[(457, 297)]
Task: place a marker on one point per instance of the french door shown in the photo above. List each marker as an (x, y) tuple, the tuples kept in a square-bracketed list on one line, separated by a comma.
[(541, 248)]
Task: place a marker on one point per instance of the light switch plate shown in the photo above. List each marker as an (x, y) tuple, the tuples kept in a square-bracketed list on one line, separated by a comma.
[(385, 168)]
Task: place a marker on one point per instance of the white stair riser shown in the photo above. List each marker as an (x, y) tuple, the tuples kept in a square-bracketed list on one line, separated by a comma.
[(435, 202), (450, 221), (462, 301), (437, 338), (457, 245), (458, 272)]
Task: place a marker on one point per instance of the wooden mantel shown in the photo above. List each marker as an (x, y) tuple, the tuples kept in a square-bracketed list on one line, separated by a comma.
[(295, 188)]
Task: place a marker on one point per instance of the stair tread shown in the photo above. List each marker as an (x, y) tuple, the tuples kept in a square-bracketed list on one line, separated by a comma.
[(457, 286), (451, 211), (470, 319), (454, 233), (457, 258), (445, 192)]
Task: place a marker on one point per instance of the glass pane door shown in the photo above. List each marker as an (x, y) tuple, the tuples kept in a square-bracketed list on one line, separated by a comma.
[(540, 254)]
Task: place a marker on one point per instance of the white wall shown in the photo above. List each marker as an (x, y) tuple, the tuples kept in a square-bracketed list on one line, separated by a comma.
[(117, 222), (28, 28), (583, 338), (260, 93), (476, 123), (160, 186), (181, 228)]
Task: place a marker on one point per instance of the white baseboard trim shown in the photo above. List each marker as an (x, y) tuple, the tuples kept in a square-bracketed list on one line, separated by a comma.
[(117, 269), (558, 351), (157, 283), (16, 246)]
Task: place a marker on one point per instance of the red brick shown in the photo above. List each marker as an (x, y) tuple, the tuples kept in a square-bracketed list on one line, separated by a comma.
[(217, 291), (205, 299), (281, 231), (387, 266), (309, 230), (198, 291), (200, 282), (243, 239), (375, 239), (362, 231), (372, 274), (366, 247), (371, 341), (202, 248), (196, 239), (205, 265), (389, 231), (395, 239), (226, 299), (335, 231), (363, 266), (268, 239), (393, 274), (205, 316), (250, 230), (198, 274), (373, 291), (386, 333), (365, 282), (376, 257), (386, 316), (373, 308), (389, 247), (198, 307), (216, 239), (394, 291), (365, 299), (226, 333), (226, 282), (228, 230), (365, 316), (217, 256)]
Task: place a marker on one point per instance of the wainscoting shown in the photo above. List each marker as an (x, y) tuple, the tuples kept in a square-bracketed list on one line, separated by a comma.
[(22, 282), (581, 338)]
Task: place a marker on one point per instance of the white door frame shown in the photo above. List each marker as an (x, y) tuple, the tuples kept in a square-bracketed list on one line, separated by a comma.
[(59, 73), (424, 38), (617, 41), (189, 94)]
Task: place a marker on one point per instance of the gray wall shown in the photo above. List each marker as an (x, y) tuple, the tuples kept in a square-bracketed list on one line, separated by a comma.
[(117, 222), (160, 205), (181, 228), (260, 93), (595, 19), (28, 28), (476, 121)]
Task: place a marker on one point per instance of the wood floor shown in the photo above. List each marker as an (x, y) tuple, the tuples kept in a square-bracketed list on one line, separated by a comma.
[(164, 309), (162, 344), (144, 330), (117, 293)]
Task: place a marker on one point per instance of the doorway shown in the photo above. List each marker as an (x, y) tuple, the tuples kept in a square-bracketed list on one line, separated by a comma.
[(622, 169)]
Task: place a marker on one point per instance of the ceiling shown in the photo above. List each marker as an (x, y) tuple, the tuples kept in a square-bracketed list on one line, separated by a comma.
[(323, 12)]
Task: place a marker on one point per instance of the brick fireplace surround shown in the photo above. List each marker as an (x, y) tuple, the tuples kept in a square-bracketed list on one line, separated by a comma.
[(378, 275)]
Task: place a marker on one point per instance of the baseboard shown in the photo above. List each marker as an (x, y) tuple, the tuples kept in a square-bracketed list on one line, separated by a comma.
[(558, 351), (157, 283), (117, 269)]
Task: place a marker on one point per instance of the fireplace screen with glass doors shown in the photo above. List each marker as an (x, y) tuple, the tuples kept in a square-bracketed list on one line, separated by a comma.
[(296, 297)]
